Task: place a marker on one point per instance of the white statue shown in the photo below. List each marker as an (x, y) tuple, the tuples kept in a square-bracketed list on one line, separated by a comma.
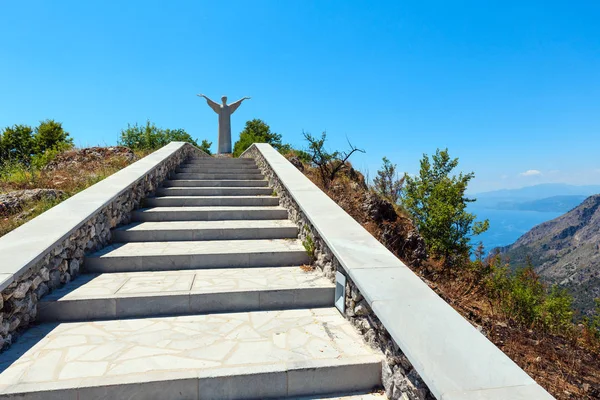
[(224, 110)]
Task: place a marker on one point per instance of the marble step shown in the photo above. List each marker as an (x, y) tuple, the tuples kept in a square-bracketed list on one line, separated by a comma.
[(220, 161), (163, 256), (178, 201), (201, 176), (208, 213), (149, 294), (214, 183), (218, 170), (214, 191), (205, 230), (261, 354)]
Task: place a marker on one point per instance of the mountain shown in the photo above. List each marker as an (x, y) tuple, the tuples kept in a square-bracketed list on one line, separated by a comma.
[(548, 204), (566, 251), (548, 197), (540, 192)]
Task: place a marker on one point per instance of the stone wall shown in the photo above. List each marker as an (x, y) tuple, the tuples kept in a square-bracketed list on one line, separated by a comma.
[(400, 379), (63, 262)]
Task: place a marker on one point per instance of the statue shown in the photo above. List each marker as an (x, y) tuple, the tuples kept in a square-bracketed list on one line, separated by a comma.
[(224, 110)]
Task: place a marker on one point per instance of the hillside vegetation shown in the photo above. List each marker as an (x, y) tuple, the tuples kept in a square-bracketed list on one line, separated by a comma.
[(423, 220), (566, 251), (39, 167)]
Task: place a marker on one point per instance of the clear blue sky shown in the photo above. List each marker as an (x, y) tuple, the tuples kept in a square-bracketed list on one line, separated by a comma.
[(511, 88)]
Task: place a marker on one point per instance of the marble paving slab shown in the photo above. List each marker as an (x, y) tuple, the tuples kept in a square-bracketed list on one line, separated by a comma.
[(205, 225), (135, 249), (158, 283), (82, 354)]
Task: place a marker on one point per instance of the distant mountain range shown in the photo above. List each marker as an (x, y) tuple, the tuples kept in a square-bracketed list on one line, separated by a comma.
[(551, 197), (547, 204), (565, 250)]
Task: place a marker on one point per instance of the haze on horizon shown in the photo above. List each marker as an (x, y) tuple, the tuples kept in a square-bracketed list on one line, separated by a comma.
[(511, 88)]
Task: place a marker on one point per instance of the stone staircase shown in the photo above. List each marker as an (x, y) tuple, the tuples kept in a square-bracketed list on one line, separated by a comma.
[(205, 295)]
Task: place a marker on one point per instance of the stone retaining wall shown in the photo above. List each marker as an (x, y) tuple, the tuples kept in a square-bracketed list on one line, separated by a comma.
[(400, 379), (63, 261)]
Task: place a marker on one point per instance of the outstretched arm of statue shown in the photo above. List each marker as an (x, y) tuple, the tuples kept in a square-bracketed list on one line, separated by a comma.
[(215, 106), (234, 106)]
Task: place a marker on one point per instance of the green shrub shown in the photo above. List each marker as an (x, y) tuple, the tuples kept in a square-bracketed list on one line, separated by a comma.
[(151, 137), (497, 276), (19, 144), (39, 161), (526, 297), (557, 310), (205, 146), (50, 135), (16, 144), (436, 200), (309, 246), (523, 298), (256, 131)]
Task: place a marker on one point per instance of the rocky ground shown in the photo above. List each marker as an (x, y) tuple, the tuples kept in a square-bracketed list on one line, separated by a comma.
[(88, 156), (13, 202)]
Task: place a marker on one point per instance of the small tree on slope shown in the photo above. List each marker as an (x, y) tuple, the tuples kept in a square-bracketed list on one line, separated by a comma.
[(436, 200), (329, 164), (387, 183)]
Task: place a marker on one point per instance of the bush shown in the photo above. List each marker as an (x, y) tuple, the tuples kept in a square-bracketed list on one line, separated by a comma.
[(16, 144), (49, 135), (387, 183), (256, 131), (557, 310), (436, 201), (205, 146), (39, 161), (150, 137), (524, 298)]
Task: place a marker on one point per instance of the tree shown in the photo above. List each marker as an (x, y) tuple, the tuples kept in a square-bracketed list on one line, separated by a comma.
[(387, 183), (256, 131), (329, 164), (205, 146), (151, 137), (436, 200), (17, 143), (49, 135)]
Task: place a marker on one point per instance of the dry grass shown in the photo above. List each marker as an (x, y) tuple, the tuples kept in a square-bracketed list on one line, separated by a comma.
[(70, 180), (307, 268)]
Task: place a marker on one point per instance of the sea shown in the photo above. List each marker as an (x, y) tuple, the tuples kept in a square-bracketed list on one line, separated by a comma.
[(506, 226)]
